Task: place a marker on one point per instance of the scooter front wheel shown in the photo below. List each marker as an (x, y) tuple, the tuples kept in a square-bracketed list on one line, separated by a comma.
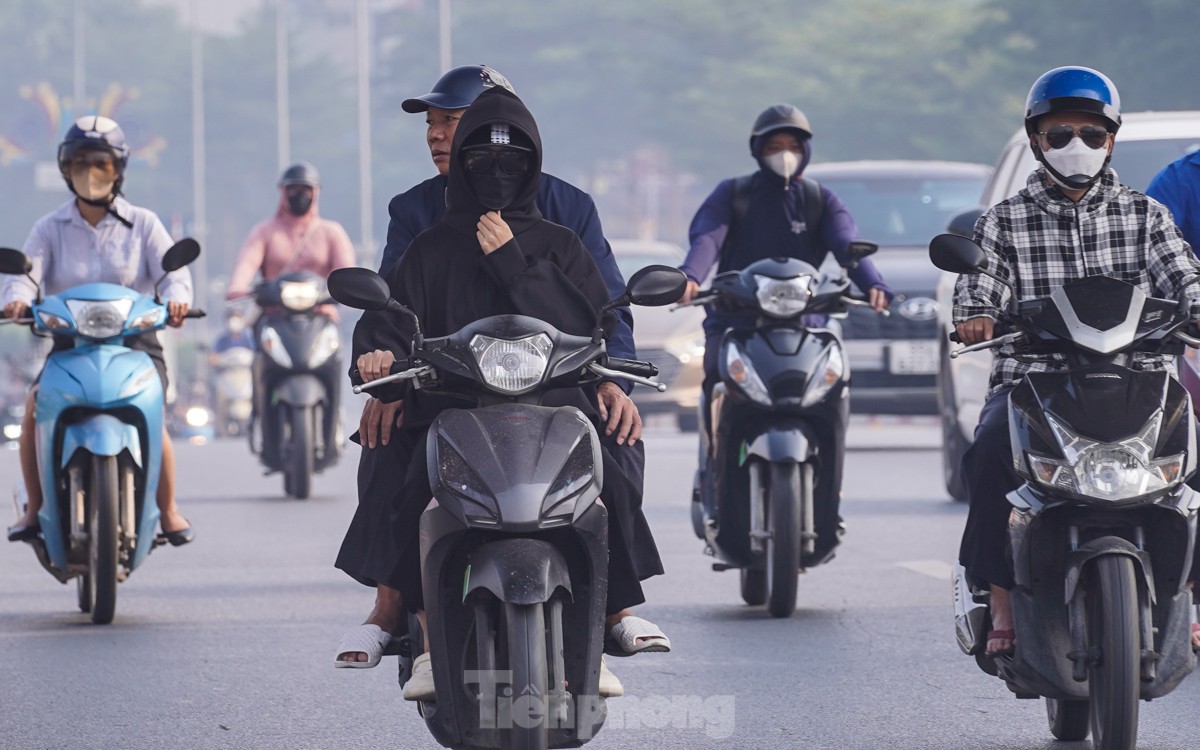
[(786, 492), (297, 472), (526, 626), (103, 552), (1112, 628)]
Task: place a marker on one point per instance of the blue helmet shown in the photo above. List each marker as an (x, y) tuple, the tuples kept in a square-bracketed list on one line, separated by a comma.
[(457, 89), (1073, 89)]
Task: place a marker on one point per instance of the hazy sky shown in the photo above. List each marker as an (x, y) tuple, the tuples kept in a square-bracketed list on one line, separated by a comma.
[(216, 16)]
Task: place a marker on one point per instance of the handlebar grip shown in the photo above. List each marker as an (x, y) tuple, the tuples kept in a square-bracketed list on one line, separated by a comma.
[(954, 337), (633, 367), (195, 312)]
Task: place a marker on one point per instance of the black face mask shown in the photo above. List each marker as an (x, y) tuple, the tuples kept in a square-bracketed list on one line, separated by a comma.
[(496, 189), (299, 202)]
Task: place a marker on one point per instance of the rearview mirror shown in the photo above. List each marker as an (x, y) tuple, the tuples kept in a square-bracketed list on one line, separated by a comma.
[(655, 286), (859, 249), (956, 254), (963, 222), (180, 254), (360, 288), (13, 262)]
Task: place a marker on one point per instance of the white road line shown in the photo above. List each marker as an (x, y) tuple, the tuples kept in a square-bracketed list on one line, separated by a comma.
[(932, 568)]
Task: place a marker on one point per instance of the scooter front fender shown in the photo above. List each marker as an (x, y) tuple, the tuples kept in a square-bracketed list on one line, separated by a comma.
[(300, 390), (101, 435), (518, 571), (780, 443)]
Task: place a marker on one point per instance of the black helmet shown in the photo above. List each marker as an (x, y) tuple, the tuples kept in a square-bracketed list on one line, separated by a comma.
[(778, 117), (1073, 89), (457, 89), (300, 173), (93, 132)]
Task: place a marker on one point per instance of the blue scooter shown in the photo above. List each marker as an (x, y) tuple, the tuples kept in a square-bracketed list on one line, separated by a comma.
[(99, 432)]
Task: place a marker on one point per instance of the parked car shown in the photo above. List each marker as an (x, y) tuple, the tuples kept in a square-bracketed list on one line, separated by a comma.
[(1146, 142), (901, 205), (672, 340)]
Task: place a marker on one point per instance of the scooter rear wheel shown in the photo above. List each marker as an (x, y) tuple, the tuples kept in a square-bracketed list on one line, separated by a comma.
[(1113, 639), (526, 626), (1069, 720), (754, 586), (102, 498)]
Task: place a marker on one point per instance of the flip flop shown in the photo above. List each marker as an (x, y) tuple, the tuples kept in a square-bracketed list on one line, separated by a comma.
[(1007, 635), (1195, 630), (623, 638), (367, 639)]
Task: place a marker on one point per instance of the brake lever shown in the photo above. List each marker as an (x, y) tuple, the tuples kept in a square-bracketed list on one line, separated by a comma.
[(989, 344), (409, 374), (610, 373), (856, 302)]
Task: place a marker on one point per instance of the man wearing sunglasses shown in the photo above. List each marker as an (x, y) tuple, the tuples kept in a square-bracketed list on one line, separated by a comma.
[(1072, 219), (411, 213)]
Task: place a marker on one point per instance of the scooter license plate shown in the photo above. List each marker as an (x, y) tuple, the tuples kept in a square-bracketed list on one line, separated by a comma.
[(913, 357)]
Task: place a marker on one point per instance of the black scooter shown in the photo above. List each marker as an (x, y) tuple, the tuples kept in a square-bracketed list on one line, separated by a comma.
[(766, 495), (514, 550), (1102, 531), (297, 379)]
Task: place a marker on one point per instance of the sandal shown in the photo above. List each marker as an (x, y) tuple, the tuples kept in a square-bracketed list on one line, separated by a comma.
[(364, 639), (634, 635), (1004, 635), (1195, 632)]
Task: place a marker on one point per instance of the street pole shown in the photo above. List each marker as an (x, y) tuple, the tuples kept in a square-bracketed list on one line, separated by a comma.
[(80, 70), (199, 156), (283, 136), (444, 34), (365, 198)]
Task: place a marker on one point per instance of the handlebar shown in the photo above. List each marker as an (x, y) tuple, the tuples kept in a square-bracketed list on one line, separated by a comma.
[(409, 374), (195, 312), (633, 367), (610, 373)]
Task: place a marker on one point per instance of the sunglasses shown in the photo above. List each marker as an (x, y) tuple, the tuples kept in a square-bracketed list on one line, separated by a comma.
[(511, 162), (1059, 136), (92, 159)]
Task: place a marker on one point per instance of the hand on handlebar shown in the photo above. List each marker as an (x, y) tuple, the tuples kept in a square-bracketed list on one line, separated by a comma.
[(690, 292), (16, 309), (375, 365), (976, 330), (176, 312), (878, 299)]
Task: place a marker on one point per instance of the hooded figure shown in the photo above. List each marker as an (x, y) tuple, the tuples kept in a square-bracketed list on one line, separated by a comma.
[(448, 280)]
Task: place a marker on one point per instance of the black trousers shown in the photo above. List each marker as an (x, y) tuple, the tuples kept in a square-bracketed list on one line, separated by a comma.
[(988, 468), (382, 544)]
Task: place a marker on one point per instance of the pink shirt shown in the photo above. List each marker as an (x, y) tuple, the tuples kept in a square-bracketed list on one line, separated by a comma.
[(271, 246)]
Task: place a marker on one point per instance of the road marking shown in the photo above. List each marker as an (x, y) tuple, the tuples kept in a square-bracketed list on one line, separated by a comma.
[(932, 568)]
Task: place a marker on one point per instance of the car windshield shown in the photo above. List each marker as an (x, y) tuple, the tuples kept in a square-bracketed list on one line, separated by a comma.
[(629, 263), (1136, 162), (904, 211)]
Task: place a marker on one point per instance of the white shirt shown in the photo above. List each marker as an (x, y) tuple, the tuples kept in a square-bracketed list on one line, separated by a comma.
[(67, 251)]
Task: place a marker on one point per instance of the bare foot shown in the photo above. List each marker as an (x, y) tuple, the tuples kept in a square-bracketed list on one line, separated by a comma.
[(1002, 620), (388, 614), (172, 520)]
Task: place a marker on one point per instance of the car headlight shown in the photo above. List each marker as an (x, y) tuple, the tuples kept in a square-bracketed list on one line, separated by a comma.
[(457, 476), (512, 366), (742, 372), (686, 349), (783, 298), (827, 374), (12, 431), (575, 475), (272, 344), (147, 320), (52, 321), (1108, 471), (197, 416), (324, 346), (299, 295), (100, 319)]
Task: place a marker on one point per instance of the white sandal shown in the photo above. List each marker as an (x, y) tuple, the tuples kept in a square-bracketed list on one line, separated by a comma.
[(634, 635), (364, 639)]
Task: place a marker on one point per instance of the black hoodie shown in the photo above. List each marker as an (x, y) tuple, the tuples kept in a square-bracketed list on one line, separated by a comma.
[(543, 272)]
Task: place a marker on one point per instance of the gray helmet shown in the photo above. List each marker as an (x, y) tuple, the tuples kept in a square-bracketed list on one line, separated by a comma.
[(300, 173), (93, 132), (457, 89), (778, 117)]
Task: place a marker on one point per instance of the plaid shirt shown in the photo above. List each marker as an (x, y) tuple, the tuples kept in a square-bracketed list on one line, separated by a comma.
[(1039, 239)]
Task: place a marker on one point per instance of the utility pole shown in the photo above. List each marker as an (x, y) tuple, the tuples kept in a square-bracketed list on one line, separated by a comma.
[(283, 137), (199, 157), (80, 56), (444, 34), (365, 189)]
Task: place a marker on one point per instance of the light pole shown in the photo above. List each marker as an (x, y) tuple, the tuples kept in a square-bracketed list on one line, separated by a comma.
[(365, 198), (80, 71), (283, 136), (444, 34)]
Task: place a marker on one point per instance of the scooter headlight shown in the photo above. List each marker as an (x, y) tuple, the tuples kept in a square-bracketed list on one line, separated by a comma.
[(576, 474), (147, 320), (512, 366), (98, 319), (272, 344), (52, 321), (1108, 471), (324, 346), (783, 298), (827, 374), (456, 475), (742, 372), (299, 295)]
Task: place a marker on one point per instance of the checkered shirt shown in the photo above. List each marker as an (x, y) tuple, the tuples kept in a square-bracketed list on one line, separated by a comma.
[(1039, 239)]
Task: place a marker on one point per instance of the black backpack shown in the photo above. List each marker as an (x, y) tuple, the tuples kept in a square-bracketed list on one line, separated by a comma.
[(814, 207)]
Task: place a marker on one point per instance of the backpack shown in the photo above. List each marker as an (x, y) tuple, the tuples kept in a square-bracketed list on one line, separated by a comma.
[(814, 206)]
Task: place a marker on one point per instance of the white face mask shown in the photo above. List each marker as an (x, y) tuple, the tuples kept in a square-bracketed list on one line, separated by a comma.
[(1076, 160), (784, 163), (90, 186)]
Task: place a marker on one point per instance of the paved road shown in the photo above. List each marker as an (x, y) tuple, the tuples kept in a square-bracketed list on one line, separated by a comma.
[(228, 643)]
